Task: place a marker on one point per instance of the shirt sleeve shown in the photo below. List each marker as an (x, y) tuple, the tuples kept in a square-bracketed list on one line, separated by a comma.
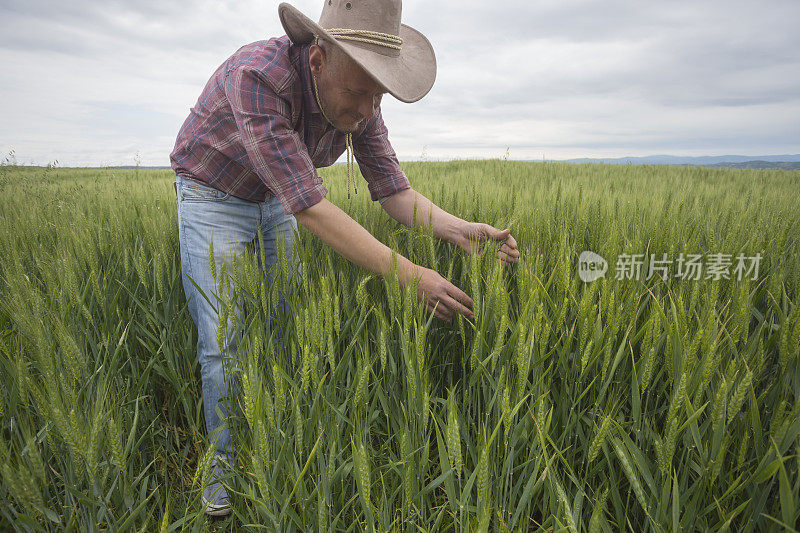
[(277, 154), (377, 160)]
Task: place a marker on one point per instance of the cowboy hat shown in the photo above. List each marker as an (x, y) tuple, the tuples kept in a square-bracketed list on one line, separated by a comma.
[(396, 56)]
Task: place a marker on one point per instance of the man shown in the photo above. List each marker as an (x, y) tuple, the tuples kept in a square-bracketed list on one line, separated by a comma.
[(246, 158)]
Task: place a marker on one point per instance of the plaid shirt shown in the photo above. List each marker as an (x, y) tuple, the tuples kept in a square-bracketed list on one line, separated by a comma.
[(257, 132)]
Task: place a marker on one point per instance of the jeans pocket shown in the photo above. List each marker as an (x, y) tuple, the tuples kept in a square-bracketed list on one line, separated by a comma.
[(194, 191)]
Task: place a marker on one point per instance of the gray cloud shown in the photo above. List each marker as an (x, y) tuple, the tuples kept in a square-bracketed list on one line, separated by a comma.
[(95, 82)]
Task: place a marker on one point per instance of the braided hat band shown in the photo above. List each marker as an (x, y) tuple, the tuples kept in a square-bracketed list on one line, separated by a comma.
[(366, 36)]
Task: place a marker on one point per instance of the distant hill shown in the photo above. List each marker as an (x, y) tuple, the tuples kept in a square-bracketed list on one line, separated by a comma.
[(791, 161), (784, 165)]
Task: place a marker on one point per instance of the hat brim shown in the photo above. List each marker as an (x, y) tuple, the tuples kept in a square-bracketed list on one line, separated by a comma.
[(408, 76)]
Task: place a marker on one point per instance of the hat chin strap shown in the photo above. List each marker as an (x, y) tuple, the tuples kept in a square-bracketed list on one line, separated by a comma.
[(348, 140)]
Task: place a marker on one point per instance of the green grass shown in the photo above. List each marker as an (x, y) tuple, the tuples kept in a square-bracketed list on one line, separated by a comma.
[(657, 405)]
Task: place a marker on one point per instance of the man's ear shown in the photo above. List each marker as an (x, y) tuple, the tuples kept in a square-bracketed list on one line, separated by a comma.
[(316, 58)]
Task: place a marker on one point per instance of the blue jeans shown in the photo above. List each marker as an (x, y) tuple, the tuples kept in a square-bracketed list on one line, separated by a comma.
[(206, 214)]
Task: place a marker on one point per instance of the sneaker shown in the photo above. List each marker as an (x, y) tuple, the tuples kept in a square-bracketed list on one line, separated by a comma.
[(215, 497)]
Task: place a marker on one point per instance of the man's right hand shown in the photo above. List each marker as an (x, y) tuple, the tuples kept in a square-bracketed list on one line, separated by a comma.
[(433, 288)]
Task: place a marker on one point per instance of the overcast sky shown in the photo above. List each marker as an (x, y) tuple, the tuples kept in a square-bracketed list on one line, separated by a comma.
[(93, 83)]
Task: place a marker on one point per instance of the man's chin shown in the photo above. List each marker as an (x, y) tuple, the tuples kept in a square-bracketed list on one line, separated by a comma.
[(349, 127)]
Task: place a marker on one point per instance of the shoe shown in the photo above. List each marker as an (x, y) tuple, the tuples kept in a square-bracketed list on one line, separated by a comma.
[(215, 497)]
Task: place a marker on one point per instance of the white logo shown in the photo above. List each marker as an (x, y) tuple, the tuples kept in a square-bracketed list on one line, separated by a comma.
[(591, 266)]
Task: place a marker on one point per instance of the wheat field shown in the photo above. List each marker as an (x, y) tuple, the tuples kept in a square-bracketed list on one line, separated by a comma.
[(620, 404)]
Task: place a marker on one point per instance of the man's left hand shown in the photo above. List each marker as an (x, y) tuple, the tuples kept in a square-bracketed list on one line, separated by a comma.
[(470, 235)]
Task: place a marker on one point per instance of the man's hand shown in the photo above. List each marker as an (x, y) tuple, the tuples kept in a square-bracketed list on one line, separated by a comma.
[(433, 288), (470, 235)]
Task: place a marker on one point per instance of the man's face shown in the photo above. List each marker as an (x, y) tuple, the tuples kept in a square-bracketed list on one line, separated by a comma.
[(348, 95)]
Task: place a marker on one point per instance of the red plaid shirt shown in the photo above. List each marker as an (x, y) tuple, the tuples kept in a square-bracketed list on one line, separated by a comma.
[(257, 132)]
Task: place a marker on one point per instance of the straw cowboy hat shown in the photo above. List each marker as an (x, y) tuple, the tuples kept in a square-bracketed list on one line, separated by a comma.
[(396, 56)]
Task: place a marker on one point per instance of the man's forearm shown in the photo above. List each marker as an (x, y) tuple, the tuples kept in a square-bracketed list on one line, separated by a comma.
[(352, 241), (400, 206)]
